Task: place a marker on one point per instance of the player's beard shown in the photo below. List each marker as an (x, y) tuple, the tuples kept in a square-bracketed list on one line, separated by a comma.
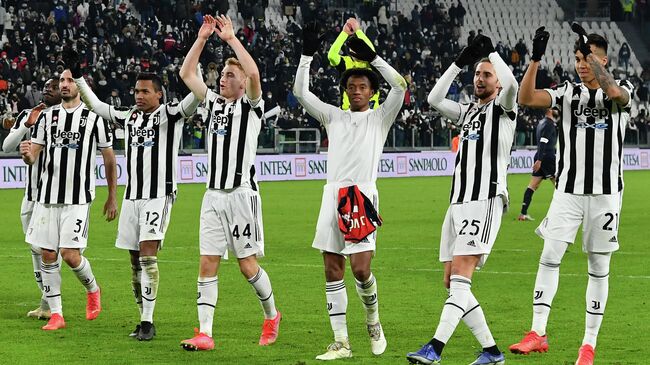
[(71, 96)]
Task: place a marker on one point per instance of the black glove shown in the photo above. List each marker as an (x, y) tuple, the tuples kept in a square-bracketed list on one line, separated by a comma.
[(583, 46), (71, 61), (483, 45), (311, 38), (539, 44), (467, 56), (360, 50)]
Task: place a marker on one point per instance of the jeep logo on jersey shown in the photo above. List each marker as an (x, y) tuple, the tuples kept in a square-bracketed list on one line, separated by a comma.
[(146, 133), (66, 134), (219, 132), (472, 125), (220, 119), (585, 125), (591, 112)]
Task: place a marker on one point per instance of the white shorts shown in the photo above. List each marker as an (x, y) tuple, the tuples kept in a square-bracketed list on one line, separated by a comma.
[(329, 237), (143, 220), (598, 214), (471, 228), (231, 219), (55, 226), (26, 210)]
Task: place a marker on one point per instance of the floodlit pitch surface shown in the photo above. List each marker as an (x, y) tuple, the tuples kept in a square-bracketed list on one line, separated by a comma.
[(406, 266)]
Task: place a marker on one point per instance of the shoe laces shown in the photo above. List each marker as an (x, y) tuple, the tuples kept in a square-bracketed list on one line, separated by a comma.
[(268, 326), (335, 346), (374, 330)]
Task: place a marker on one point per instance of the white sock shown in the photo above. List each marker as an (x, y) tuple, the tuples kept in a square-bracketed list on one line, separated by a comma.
[(85, 275), (459, 291), (546, 283), (262, 286), (36, 264), (475, 320), (51, 275), (597, 292), (368, 293), (337, 306), (149, 280), (136, 273), (208, 292)]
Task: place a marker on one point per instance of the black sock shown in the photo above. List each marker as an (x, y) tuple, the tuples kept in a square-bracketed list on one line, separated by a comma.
[(528, 197), (437, 346), (493, 350)]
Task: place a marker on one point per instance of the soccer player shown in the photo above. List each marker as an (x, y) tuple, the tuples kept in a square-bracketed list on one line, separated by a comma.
[(589, 182), (544, 166), (152, 137), (479, 192), (66, 141), (24, 126), (231, 212), (357, 138), (342, 63)]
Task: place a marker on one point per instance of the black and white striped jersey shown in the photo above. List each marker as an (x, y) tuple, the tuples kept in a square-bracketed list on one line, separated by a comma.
[(17, 134), (233, 129), (151, 141), (70, 139), (485, 140), (591, 131)]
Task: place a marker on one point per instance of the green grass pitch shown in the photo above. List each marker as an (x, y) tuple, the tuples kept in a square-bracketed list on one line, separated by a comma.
[(406, 265)]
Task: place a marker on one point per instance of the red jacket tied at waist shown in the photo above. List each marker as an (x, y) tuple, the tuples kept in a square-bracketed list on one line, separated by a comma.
[(357, 216)]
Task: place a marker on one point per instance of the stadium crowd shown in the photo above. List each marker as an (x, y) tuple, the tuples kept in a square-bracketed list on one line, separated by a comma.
[(118, 39)]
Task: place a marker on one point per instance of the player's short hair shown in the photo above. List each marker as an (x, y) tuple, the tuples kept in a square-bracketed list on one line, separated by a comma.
[(596, 39), (360, 72), (484, 59), (232, 61), (155, 79)]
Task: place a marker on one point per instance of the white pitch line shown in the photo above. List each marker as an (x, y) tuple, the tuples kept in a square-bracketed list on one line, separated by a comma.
[(231, 261)]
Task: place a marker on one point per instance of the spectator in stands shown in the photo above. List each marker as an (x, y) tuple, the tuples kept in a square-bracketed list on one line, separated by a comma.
[(522, 50), (624, 56)]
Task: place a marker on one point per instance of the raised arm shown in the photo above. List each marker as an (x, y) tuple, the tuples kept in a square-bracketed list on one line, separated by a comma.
[(193, 81), (312, 104), (395, 98), (528, 95), (16, 134), (509, 87), (437, 97), (333, 55), (597, 63), (226, 32)]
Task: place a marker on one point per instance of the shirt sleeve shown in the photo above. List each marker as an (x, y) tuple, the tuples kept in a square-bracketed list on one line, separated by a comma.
[(185, 108), (313, 105), (104, 135), (106, 111), (393, 103), (333, 54), (16, 133), (507, 97), (437, 97), (627, 86), (39, 127), (557, 94)]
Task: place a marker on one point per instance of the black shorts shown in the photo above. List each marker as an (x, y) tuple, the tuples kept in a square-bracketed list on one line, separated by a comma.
[(547, 170)]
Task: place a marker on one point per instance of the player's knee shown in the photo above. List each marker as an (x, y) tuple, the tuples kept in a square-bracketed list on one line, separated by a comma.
[(552, 253), (334, 273), (361, 273), (72, 257), (598, 264), (48, 256)]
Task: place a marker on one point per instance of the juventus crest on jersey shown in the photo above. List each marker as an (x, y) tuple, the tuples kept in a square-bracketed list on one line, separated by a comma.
[(151, 143), (590, 137), (233, 129), (486, 137), (70, 139)]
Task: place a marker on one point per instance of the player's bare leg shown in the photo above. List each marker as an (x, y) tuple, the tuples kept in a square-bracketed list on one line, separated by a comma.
[(337, 305), (367, 291), (259, 280)]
